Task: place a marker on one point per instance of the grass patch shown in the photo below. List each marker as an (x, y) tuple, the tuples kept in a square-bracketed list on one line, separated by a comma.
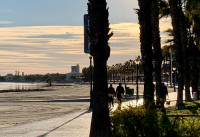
[(188, 108)]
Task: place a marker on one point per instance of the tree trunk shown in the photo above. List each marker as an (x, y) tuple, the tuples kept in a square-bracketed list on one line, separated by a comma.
[(194, 66), (144, 16), (197, 76), (99, 49), (100, 126), (157, 48), (178, 47), (184, 40)]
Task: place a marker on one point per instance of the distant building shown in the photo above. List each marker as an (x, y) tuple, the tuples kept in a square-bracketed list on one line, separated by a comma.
[(75, 72), (22, 77), (75, 69), (9, 77), (17, 73)]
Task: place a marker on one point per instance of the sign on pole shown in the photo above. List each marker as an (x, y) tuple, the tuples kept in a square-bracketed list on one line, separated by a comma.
[(86, 39)]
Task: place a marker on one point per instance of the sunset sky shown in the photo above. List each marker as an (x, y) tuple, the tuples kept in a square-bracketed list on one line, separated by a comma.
[(46, 36)]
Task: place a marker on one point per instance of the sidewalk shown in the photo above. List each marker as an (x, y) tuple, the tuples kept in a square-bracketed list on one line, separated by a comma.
[(172, 97), (70, 125)]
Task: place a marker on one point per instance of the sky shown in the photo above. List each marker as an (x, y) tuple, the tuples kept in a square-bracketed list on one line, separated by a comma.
[(46, 36)]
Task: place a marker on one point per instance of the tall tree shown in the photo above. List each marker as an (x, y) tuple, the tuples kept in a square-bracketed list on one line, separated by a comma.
[(184, 42), (157, 48), (100, 50), (174, 11), (145, 22), (192, 13), (165, 12)]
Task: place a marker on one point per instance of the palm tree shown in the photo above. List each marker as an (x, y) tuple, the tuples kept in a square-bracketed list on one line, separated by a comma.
[(132, 68), (109, 72), (157, 48), (175, 11), (114, 73), (186, 60), (184, 42), (119, 70), (144, 16), (165, 66), (193, 56), (165, 12), (100, 50), (49, 80), (164, 9), (192, 13)]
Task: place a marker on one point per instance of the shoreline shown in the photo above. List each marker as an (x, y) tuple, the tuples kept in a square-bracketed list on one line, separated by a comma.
[(18, 108), (23, 90)]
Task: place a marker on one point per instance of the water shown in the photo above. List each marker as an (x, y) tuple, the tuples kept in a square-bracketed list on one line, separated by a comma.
[(19, 86)]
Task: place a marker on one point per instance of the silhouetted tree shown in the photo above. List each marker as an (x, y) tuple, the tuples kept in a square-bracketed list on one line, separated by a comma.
[(165, 12), (145, 22), (174, 11), (192, 13), (157, 47), (100, 50)]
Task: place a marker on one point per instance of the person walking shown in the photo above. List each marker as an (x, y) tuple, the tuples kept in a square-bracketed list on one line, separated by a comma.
[(111, 95), (120, 92)]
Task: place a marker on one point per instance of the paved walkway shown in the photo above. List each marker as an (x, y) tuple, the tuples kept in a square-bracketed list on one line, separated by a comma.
[(70, 125)]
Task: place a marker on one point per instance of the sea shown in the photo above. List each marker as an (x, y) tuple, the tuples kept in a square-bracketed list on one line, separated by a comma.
[(20, 86)]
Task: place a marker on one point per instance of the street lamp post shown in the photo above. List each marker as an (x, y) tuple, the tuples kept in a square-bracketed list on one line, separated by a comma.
[(91, 91), (170, 51), (174, 79), (137, 96)]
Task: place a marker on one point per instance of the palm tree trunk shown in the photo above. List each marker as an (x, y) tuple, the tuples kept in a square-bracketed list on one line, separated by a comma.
[(99, 49), (178, 47), (100, 126), (197, 76), (157, 48), (144, 16), (194, 65), (184, 41)]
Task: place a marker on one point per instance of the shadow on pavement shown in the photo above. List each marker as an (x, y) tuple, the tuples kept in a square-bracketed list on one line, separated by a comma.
[(88, 111), (49, 101)]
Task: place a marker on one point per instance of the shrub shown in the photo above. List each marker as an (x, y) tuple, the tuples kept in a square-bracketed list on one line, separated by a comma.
[(134, 122)]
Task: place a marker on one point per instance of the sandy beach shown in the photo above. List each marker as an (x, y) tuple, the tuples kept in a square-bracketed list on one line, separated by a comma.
[(17, 108), (26, 107)]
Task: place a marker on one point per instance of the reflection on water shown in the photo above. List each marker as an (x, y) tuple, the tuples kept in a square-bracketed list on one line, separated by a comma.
[(19, 86)]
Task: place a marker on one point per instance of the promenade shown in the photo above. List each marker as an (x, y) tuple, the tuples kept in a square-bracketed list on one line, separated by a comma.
[(70, 125), (75, 124)]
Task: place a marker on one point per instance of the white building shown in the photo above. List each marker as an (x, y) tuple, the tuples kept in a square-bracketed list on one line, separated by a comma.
[(75, 72), (75, 69)]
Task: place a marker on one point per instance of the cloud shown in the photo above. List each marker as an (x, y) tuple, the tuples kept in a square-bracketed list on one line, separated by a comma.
[(4, 22), (40, 49), (52, 49), (58, 36)]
